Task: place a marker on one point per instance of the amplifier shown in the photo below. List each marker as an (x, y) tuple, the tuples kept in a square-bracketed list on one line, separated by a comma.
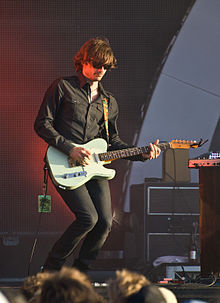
[(164, 211), (168, 244), (171, 223), (197, 163), (174, 165), (211, 159)]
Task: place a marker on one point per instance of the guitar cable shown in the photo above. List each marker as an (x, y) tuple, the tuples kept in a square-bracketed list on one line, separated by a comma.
[(42, 204)]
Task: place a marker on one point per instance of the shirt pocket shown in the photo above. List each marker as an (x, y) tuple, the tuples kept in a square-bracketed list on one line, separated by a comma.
[(97, 112), (70, 102), (74, 109)]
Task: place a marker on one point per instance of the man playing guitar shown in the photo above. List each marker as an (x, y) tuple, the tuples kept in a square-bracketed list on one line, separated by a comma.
[(76, 110)]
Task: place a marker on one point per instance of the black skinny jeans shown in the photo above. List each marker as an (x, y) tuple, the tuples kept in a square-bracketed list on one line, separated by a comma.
[(91, 204)]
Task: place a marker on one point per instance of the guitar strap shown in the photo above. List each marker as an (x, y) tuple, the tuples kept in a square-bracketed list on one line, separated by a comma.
[(105, 109)]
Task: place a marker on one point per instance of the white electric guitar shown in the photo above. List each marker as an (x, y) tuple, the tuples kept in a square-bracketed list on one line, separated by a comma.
[(72, 176)]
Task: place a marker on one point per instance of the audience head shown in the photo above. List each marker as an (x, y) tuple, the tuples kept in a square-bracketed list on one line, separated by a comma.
[(68, 286), (32, 284), (168, 295), (12, 295), (125, 284), (147, 294), (132, 287)]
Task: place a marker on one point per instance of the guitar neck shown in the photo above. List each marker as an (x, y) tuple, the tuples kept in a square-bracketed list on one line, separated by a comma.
[(129, 152)]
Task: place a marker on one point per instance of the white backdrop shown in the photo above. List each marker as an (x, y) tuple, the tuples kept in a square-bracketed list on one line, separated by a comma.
[(186, 100)]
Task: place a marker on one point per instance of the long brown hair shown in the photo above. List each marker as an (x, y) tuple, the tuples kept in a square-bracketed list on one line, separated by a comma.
[(98, 50)]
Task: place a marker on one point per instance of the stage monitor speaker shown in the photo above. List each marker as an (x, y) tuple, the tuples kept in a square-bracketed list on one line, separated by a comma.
[(16, 253)]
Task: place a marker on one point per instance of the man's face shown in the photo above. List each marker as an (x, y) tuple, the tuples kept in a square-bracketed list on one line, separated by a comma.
[(92, 73)]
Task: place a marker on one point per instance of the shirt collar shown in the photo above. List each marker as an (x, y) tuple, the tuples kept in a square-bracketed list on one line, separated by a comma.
[(102, 90), (82, 82)]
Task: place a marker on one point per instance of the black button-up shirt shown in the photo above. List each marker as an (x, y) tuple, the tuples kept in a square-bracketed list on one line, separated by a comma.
[(66, 116)]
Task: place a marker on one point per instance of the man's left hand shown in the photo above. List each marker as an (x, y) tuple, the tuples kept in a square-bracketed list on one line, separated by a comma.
[(154, 151)]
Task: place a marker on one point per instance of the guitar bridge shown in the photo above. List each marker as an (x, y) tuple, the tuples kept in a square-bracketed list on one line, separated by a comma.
[(74, 175)]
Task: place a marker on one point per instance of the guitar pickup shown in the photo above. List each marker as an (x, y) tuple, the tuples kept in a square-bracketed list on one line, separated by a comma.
[(73, 175)]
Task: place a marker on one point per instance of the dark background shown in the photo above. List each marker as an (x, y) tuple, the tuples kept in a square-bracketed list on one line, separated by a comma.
[(38, 42)]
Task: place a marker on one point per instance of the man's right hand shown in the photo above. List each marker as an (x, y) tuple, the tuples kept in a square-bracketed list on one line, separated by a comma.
[(80, 155)]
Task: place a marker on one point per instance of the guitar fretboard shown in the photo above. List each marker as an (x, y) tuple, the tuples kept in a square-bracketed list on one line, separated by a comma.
[(129, 152)]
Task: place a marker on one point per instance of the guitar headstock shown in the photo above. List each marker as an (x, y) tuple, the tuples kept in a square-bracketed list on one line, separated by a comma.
[(184, 144)]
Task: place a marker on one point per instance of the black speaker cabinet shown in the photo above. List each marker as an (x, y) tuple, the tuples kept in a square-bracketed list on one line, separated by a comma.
[(175, 165), (16, 250), (168, 214)]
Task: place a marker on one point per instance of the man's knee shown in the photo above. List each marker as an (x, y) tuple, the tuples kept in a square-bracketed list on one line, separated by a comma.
[(105, 225), (88, 221)]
